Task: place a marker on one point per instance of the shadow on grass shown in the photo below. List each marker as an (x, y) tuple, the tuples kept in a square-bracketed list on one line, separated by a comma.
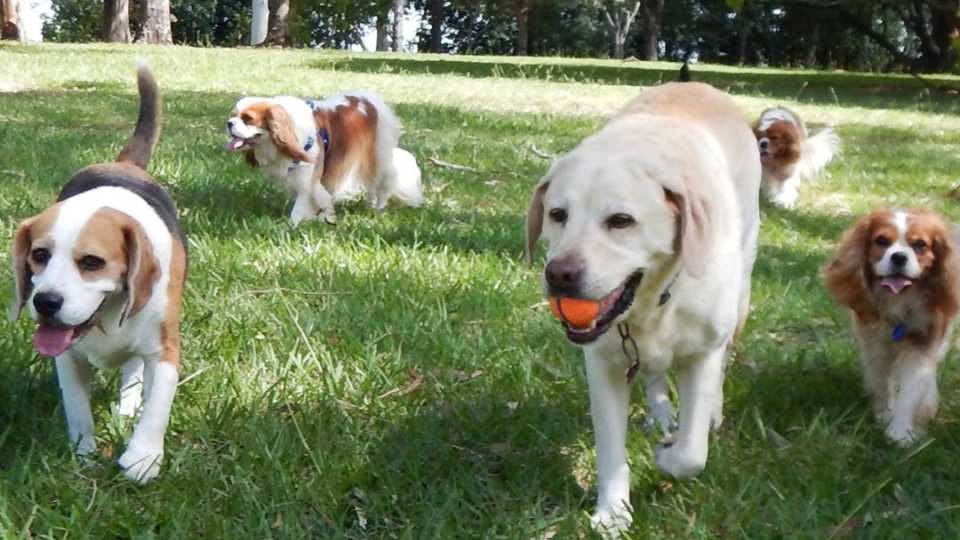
[(838, 88)]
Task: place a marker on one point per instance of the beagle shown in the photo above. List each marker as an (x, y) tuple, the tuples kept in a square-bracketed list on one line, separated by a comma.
[(102, 274)]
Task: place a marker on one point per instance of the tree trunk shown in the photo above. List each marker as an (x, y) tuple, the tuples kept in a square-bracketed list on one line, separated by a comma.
[(619, 24), (436, 25), (652, 14), (521, 10), (278, 32), (9, 25), (743, 32), (382, 32), (156, 22), (116, 21), (811, 60), (396, 33), (259, 21)]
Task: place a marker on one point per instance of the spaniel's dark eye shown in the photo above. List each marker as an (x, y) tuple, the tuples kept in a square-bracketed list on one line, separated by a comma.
[(91, 263), (40, 255), (919, 246), (882, 241), (619, 221), (246, 118), (558, 215)]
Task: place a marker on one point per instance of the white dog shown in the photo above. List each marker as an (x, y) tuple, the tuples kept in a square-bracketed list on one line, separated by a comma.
[(655, 218)]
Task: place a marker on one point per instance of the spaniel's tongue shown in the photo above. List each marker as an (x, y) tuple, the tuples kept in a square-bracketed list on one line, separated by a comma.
[(895, 284), (235, 142), (51, 341)]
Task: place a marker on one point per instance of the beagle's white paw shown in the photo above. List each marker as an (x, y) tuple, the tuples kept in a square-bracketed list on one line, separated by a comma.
[(141, 464), (612, 522), (677, 463)]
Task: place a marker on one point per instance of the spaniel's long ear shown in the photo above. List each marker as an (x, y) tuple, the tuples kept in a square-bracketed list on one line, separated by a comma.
[(251, 158), (535, 218), (947, 266), (281, 130), (143, 268), (21, 269), (845, 276)]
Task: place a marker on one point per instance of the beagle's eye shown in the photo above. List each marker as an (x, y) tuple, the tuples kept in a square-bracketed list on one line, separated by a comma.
[(619, 221), (882, 241), (91, 263), (919, 246), (559, 215), (40, 255)]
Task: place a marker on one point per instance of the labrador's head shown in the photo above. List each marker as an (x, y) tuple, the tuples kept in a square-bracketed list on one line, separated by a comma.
[(617, 212)]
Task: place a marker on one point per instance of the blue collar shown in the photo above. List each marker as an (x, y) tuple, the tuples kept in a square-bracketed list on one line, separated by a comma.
[(306, 148), (322, 134)]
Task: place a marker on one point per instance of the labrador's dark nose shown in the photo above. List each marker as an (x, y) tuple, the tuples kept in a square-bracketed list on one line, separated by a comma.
[(899, 259), (564, 274), (47, 303)]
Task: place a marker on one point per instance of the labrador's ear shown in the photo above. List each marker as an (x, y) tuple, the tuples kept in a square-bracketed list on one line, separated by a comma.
[(694, 219), (535, 218), (21, 269)]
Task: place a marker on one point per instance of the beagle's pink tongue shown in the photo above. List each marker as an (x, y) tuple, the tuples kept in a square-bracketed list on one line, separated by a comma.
[(895, 284), (50, 341), (235, 143)]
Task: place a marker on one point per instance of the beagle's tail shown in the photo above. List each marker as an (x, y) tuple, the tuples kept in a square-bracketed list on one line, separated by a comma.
[(140, 145)]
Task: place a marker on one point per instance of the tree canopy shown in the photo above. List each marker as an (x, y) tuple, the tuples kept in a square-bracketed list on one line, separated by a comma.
[(871, 35)]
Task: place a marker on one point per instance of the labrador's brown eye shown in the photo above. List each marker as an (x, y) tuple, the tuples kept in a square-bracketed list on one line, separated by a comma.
[(40, 255), (882, 241), (91, 263), (558, 215), (620, 221)]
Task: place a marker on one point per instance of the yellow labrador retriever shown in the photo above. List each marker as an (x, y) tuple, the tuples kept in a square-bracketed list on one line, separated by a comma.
[(655, 217)]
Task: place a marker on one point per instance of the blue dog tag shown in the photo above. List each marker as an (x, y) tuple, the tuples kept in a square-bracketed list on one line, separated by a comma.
[(899, 331)]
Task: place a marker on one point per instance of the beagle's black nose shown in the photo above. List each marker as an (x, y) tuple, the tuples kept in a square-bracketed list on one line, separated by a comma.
[(47, 303), (565, 273), (899, 259)]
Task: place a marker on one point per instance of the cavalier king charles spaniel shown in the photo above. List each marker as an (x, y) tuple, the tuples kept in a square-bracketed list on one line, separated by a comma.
[(896, 271), (789, 155), (328, 150)]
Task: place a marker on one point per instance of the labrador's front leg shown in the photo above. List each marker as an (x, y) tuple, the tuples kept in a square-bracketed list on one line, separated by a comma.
[(609, 406), (699, 387)]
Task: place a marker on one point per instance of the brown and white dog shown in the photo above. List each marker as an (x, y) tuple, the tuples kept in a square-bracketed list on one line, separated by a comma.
[(663, 240), (897, 271), (102, 273), (323, 151), (789, 155)]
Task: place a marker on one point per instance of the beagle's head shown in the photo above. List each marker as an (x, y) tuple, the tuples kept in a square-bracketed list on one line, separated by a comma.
[(70, 264), (256, 121)]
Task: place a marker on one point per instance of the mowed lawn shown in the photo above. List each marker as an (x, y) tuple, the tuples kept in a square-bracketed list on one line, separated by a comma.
[(398, 375)]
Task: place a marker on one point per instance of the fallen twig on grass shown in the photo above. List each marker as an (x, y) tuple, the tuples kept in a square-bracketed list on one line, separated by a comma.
[(416, 381), (448, 165), (541, 153)]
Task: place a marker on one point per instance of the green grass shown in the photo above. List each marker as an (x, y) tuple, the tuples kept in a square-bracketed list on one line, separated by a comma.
[(398, 376)]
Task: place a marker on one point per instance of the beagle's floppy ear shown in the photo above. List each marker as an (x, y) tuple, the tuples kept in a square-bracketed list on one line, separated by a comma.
[(693, 212), (21, 269), (280, 126), (535, 218), (143, 269)]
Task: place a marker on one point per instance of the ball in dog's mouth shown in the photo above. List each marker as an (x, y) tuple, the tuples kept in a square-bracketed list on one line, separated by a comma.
[(609, 307)]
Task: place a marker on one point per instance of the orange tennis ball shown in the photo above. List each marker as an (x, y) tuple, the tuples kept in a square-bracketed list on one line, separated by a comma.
[(578, 312)]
